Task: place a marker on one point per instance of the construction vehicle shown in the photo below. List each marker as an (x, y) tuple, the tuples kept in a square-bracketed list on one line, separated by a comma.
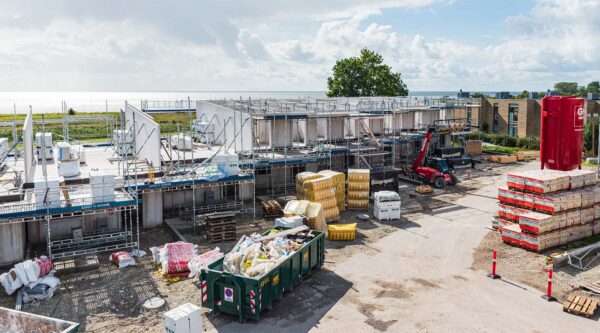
[(426, 174)]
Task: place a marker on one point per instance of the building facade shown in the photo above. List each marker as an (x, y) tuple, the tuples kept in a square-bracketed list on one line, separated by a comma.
[(512, 117)]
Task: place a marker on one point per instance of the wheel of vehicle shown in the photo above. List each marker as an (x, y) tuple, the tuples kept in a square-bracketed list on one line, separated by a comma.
[(453, 180), (438, 182)]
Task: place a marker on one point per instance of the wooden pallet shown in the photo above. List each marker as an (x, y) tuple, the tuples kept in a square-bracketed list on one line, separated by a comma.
[(224, 236), (271, 209), (221, 228), (580, 305)]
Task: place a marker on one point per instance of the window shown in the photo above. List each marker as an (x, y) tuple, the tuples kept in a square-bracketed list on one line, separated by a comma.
[(495, 120), (469, 113), (513, 119)]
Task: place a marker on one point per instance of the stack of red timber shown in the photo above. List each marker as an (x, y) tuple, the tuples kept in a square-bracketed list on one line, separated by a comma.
[(542, 209)]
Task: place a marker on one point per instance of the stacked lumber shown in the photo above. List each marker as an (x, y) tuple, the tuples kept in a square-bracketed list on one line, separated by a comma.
[(339, 183), (322, 190), (542, 209), (474, 147), (527, 155), (503, 159), (359, 181), (300, 179), (271, 209)]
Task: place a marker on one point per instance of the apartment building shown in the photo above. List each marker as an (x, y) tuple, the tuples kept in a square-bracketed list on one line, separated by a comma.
[(513, 117)]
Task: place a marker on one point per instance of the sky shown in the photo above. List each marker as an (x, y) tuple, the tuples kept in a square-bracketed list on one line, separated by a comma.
[(273, 45)]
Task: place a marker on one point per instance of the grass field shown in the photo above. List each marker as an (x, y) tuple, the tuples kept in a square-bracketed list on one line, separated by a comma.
[(95, 131)]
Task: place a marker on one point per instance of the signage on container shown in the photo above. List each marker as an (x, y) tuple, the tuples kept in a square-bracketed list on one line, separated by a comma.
[(579, 118), (228, 293)]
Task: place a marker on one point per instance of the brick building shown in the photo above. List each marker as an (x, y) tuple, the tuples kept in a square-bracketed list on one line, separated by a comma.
[(514, 117)]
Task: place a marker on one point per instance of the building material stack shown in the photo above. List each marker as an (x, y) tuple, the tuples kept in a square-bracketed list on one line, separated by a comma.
[(43, 145), (103, 186), (68, 161), (181, 141), (542, 209), (47, 192), (312, 211), (387, 205), (322, 190), (300, 179), (339, 183), (358, 188), (474, 147)]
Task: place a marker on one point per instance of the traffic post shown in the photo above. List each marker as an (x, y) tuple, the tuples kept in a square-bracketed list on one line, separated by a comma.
[(493, 275)]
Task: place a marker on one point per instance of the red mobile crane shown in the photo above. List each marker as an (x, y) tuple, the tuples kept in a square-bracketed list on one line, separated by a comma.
[(426, 174)]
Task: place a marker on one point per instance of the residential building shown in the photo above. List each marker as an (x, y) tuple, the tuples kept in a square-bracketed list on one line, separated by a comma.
[(513, 117)]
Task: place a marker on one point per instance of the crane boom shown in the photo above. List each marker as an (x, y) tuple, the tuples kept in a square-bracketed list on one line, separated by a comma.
[(424, 148)]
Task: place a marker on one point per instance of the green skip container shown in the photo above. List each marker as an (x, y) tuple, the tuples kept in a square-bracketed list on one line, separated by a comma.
[(246, 297)]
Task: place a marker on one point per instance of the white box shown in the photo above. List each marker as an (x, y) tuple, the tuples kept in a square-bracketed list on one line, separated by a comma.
[(289, 222), (40, 153), (68, 168), (228, 162), (46, 137), (64, 151), (382, 214), (186, 318), (181, 142)]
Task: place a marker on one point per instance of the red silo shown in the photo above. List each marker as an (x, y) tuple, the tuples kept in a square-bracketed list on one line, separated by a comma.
[(561, 132)]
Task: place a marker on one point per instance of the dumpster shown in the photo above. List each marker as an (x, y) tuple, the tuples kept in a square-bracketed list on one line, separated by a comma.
[(246, 297), (17, 321)]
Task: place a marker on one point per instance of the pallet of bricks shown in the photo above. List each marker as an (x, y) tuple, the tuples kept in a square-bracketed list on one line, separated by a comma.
[(221, 227), (542, 209), (359, 181)]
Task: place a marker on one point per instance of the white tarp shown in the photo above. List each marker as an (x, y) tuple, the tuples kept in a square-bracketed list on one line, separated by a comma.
[(28, 144), (227, 124), (147, 134)]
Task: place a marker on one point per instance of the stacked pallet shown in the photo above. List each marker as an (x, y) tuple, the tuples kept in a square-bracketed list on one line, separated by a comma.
[(358, 188), (271, 209), (339, 183), (300, 179), (322, 190), (221, 228), (542, 209), (474, 147)]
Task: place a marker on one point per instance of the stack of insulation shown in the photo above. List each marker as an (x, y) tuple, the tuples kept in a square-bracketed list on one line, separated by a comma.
[(322, 190), (542, 209), (358, 188), (339, 183), (300, 179), (312, 211)]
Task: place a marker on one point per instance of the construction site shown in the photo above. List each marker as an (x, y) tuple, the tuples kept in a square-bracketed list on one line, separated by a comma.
[(297, 215)]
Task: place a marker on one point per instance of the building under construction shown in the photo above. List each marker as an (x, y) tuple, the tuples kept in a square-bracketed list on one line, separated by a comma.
[(69, 199)]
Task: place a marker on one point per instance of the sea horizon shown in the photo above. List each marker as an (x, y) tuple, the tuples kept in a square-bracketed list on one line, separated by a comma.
[(113, 101)]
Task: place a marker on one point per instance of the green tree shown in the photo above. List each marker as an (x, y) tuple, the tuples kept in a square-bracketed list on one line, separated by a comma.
[(364, 76), (71, 112), (478, 95), (567, 88), (593, 87), (523, 94)]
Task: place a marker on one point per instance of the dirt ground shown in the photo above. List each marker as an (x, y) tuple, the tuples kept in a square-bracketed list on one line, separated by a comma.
[(106, 299)]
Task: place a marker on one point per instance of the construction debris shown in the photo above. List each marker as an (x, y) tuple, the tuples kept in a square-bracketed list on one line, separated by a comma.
[(423, 189)]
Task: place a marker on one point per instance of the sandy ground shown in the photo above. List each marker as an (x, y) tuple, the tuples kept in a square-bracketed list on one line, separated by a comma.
[(424, 273)]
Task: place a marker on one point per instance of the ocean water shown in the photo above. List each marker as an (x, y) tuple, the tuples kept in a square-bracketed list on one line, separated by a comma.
[(51, 101)]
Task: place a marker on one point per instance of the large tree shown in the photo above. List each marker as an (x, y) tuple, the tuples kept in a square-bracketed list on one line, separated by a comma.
[(366, 75), (566, 88)]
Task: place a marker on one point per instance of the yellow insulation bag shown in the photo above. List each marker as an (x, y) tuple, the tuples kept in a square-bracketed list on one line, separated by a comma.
[(358, 175), (341, 232), (318, 184), (358, 186), (315, 216), (358, 195), (360, 204)]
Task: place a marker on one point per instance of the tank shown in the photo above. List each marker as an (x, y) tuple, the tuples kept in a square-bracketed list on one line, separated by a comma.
[(561, 132)]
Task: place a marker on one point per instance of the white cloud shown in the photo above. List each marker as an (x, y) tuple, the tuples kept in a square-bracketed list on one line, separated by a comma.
[(184, 45)]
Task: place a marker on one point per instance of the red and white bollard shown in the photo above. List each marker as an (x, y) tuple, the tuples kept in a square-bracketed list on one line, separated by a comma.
[(494, 276), (548, 297)]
